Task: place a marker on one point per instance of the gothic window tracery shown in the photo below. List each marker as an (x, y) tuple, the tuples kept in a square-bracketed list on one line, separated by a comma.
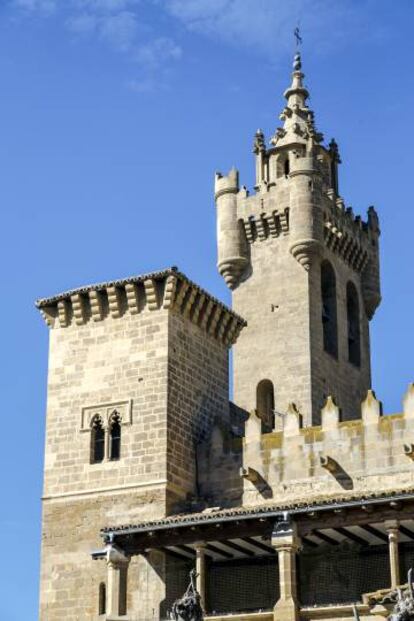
[(329, 312), (97, 440), (115, 437)]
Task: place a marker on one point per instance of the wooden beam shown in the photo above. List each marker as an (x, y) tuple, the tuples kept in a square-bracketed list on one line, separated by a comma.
[(406, 531), (309, 542), (350, 535), (237, 548), (177, 555), (357, 516), (374, 531), (186, 549), (260, 546), (216, 550), (325, 538)]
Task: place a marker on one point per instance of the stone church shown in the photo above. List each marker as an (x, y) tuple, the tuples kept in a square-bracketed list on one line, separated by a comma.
[(295, 501)]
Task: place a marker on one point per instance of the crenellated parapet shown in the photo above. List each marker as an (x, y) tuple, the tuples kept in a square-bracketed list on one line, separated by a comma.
[(166, 290), (357, 243), (374, 451)]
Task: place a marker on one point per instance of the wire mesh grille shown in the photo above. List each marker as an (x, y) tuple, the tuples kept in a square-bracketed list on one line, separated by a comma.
[(244, 585), (406, 551), (340, 576)]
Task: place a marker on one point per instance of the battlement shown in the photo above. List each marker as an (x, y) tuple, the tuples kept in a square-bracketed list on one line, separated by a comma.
[(165, 290), (348, 235), (226, 183), (374, 451), (297, 463)]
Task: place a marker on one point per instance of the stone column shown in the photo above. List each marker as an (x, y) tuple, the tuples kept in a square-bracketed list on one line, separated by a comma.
[(286, 542), (117, 564), (200, 549), (393, 535)]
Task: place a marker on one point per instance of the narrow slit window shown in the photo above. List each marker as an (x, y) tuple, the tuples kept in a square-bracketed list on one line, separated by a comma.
[(329, 315), (115, 438), (97, 441), (286, 166), (102, 599), (354, 331), (265, 404)]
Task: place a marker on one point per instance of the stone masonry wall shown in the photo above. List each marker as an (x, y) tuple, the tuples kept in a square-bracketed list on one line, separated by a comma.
[(70, 578), (110, 362), (344, 381), (198, 393), (274, 300), (122, 363)]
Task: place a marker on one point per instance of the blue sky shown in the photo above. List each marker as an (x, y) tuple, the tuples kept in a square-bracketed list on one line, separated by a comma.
[(114, 115)]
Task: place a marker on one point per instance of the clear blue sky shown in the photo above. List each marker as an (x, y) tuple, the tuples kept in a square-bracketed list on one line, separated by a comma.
[(114, 115)]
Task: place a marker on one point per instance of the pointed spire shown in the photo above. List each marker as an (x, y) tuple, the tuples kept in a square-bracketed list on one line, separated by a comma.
[(298, 119)]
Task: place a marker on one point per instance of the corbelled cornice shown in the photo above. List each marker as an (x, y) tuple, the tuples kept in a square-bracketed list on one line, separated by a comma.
[(168, 289)]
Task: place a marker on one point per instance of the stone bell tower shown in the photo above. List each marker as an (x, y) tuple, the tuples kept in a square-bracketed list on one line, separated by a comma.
[(303, 270)]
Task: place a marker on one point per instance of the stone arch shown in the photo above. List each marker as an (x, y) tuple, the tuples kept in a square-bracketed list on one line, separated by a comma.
[(114, 427), (265, 404), (97, 440)]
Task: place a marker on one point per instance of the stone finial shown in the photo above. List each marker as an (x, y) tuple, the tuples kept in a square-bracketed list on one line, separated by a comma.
[(330, 414), (259, 142), (293, 421), (371, 408), (408, 402)]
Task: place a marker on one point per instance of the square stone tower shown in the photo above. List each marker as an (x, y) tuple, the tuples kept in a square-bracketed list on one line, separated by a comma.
[(138, 372), (304, 272)]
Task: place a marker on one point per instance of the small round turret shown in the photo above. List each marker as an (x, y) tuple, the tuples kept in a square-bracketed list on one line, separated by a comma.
[(232, 251)]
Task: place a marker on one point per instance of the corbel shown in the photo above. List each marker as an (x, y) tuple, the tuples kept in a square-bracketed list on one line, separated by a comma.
[(328, 463), (169, 291), (131, 291), (151, 292), (215, 316), (78, 306), (199, 305), (114, 301), (250, 474), (63, 313), (409, 450), (188, 305), (95, 300)]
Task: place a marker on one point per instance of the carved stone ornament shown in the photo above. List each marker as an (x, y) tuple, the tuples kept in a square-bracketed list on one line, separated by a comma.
[(188, 608), (283, 526), (404, 602)]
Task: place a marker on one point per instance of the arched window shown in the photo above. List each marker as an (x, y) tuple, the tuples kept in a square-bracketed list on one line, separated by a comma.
[(265, 404), (329, 322), (97, 441), (102, 599), (115, 436), (354, 332)]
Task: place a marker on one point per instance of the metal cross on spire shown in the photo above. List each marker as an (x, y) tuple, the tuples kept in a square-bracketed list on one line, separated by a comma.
[(296, 34)]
